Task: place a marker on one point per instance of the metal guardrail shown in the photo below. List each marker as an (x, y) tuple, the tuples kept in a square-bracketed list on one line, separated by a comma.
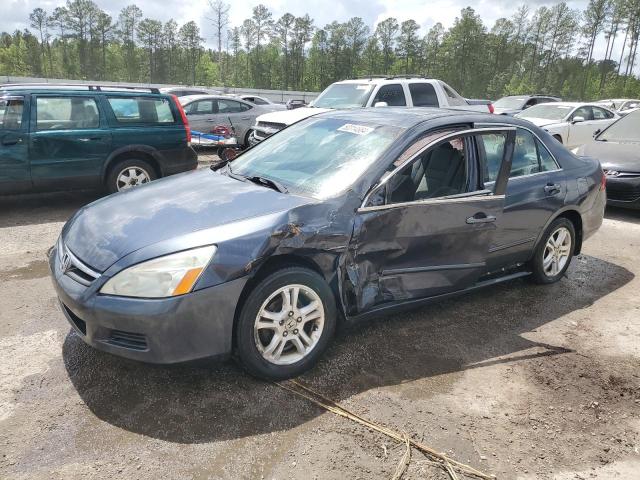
[(273, 95)]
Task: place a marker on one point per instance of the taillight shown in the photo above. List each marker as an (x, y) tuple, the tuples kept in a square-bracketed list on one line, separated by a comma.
[(603, 182), (491, 109), (184, 118)]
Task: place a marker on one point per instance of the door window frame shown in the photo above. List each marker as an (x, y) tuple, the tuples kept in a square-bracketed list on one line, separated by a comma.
[(499, 186), (34, 112)]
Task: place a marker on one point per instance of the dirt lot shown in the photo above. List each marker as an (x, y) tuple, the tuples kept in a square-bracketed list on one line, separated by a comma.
[(521, 381)]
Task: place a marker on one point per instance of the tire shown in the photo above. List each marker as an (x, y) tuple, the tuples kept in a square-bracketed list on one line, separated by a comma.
[(114, 182), (269, 347), (246, 139), (560, 254)]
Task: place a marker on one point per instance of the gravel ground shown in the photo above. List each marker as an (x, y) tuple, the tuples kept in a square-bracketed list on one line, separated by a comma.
[(521, 381)]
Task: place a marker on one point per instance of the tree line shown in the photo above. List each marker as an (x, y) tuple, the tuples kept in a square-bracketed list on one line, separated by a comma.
[(549, 50)]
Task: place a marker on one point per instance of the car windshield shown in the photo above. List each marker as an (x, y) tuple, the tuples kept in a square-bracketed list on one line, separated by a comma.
[(318, 157), (627, 129), (344, 95), (547, 112), (510, 102)]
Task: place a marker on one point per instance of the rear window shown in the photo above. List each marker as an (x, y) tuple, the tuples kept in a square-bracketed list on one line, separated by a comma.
[(66, 113), (11, 113), (141, 109), (424, 95)]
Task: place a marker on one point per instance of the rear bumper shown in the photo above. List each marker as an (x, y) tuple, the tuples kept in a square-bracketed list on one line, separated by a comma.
[(169, 330), (592, 218)]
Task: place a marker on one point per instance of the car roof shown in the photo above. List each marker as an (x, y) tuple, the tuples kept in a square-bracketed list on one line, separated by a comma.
[(408, 117), (389, 79), (192, 98), (85, 89)]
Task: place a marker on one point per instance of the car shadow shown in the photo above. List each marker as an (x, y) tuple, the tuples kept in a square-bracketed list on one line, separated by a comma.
[(623, 214), (208, 402), (38, 208)]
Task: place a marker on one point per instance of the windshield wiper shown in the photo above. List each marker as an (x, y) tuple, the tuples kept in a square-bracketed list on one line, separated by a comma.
[(267, 182)]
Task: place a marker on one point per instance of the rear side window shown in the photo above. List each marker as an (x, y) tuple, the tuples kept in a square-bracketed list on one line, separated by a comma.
[(141, 109), (393, 95), (547, 162), (231, 106), (66, 113), (11, 113), (423, 95), (530, 156), (202, 107), (492, 145)]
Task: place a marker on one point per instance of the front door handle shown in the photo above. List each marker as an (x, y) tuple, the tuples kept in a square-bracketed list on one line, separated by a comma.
[(481, 217), (11, 141), (552, 188), (245, 118)]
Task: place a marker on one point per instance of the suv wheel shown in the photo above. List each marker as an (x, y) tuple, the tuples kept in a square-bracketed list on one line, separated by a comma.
[(285, 324), (553, 255), (129, 173)]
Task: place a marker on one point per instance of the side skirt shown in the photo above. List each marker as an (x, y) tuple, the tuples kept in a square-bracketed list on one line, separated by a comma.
[(391, 308)]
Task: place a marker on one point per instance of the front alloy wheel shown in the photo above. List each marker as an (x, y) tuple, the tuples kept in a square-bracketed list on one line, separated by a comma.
[(289, 324), (285, 324)]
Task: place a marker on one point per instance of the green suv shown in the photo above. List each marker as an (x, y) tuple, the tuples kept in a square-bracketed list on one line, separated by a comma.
[(62, 137)]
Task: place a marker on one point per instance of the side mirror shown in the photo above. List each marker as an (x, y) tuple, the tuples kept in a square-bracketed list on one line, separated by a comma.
[(597, 132), (380, 104), (228, 154), (577, 119)]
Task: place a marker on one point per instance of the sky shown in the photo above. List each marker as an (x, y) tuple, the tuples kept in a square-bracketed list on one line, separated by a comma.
[(425, 12)]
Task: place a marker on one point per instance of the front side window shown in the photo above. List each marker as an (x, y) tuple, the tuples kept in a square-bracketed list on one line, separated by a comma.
[(202, 107), (423, 95), (585, 112), (318, 157), (438, 172), (11, 109), (601, 113), (141, 109), (393, 95), (66, 113)]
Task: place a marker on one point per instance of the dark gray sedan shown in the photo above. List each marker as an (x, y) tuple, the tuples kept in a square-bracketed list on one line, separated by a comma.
[(339, 217)]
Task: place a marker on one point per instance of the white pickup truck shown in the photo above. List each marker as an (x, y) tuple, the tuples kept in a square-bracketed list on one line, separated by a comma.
[(370, 92)]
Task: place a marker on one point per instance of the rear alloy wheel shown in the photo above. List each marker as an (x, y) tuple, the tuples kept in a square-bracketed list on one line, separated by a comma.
[(128, 174), (554, 252), (285, 324)]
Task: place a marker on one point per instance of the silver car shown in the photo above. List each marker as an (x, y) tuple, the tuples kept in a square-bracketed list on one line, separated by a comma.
[(208, 111)]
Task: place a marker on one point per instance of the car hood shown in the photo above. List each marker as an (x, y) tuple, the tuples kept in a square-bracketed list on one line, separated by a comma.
[(619, 156), (289, 117), (105, 231)]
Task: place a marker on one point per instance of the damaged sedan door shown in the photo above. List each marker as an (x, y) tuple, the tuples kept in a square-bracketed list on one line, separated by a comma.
[(426, 227)]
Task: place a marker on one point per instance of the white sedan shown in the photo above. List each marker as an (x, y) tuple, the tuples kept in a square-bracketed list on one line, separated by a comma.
[(572, 124)]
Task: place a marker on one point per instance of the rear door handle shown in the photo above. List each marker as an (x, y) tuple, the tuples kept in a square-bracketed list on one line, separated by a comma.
[(552, 188), (11, 141), (90, 139), (481, 218)]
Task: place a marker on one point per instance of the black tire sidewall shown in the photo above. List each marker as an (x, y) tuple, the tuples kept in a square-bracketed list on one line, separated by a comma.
[(112, 177), (537, 269), (246, 350)]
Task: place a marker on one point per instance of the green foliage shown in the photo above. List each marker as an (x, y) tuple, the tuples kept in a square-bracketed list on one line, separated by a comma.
[(549, 50)]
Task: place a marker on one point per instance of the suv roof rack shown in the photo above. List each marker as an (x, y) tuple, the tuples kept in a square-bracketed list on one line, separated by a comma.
[(98, 88), (392, 77)]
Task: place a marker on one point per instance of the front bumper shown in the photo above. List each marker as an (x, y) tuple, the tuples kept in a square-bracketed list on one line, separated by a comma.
[(623, 191), (169, 330)]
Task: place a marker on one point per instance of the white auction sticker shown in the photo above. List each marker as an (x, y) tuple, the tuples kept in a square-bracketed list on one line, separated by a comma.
[(357, 129)]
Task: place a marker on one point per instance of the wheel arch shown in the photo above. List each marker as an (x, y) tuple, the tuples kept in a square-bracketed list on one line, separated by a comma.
[(271, 265), (143, 152)]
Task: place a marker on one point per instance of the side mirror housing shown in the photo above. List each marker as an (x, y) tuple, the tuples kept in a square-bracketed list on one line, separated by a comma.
[(596, 133), (577, 119), (380, 104)]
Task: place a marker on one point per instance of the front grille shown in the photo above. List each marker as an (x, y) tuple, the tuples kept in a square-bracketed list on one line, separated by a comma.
[(74, 268), (132, 341), (272, 125), (80, 324), (623, 192)]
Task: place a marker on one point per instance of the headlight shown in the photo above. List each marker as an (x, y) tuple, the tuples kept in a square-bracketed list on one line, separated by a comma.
[(166, 276)]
